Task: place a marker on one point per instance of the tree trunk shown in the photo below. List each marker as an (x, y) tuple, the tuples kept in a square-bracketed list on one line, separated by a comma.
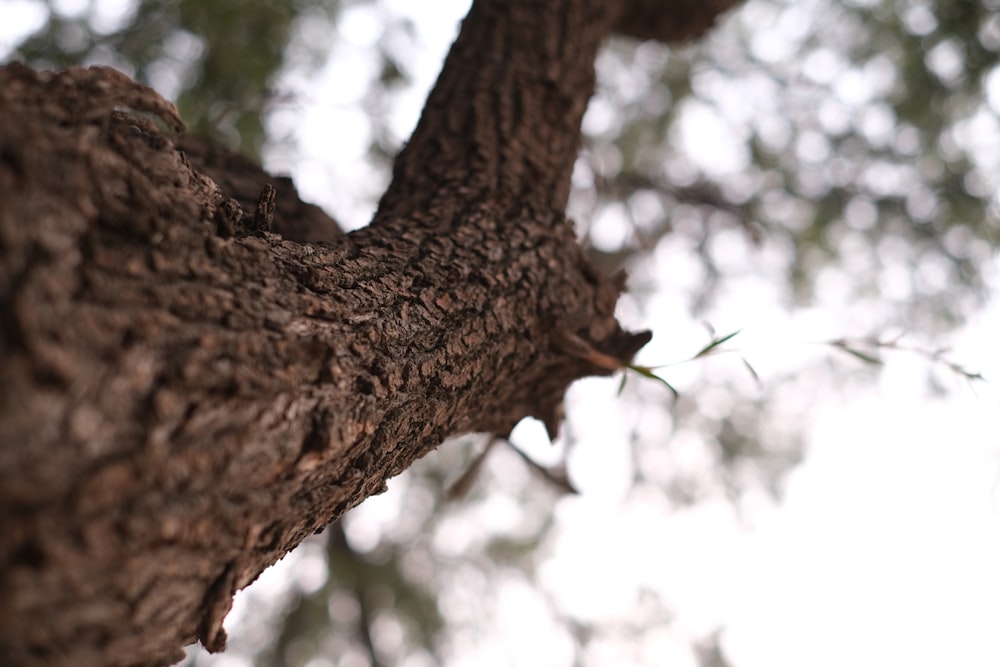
[(185, 395)]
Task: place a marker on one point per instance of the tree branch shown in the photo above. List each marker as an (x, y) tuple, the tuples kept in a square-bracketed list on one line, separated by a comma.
[(180, 407), (503, 119), (184, 397), (673, 21)]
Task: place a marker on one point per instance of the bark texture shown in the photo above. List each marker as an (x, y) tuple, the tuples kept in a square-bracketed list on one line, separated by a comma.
[(186, 394)]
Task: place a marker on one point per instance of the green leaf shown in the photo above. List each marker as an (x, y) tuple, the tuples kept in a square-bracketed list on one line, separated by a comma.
[(753, 372), (647, 372), (858, 354), (716, 342)]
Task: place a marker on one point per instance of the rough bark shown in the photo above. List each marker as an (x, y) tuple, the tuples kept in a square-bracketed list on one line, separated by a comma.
[(185, 395)]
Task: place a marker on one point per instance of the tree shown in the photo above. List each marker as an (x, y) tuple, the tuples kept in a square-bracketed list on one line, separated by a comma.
[(187, 395)]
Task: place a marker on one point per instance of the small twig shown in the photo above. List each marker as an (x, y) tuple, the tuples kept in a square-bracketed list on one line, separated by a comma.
[(460, 487), (852, 347), (555, 475), (712, 348)]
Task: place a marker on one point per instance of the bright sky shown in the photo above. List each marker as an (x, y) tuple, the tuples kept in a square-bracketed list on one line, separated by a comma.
[(884, 550)]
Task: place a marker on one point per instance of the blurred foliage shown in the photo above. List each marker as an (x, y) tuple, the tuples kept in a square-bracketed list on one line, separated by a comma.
[(845, 148), (864, 139), (217, 58), (376, 588)]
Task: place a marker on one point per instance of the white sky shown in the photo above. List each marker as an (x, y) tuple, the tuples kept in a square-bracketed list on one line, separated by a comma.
[(887, 546), (884, 551)]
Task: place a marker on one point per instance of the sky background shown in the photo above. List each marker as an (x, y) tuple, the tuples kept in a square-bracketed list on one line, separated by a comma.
[(884, 547)]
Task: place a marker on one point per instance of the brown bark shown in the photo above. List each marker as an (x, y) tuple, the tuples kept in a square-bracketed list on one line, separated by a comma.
[(674, 21), (185, 395)]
